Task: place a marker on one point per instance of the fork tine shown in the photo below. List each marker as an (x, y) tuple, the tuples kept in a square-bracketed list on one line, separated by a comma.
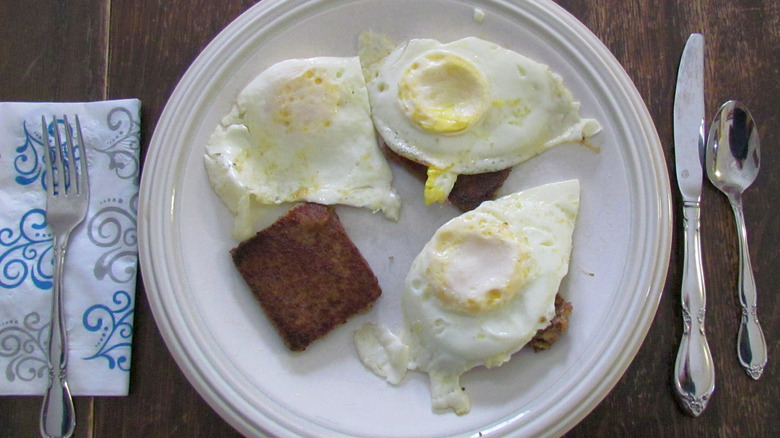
[(49, 178), (58, 162), (72, 180), (83, 165)]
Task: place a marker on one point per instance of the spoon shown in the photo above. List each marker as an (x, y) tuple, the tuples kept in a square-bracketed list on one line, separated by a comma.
[(732, 159)]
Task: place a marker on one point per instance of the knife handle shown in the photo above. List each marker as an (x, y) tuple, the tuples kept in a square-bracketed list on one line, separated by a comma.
[(751, 345), (694, 373)]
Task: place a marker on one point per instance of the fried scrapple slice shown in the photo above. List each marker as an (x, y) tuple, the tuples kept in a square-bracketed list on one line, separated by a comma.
[(469, 190), (307, 274), (544, 338)]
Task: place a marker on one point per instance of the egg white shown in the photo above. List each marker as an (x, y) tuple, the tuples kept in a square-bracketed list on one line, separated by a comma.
[(457, 315), (300, 131)]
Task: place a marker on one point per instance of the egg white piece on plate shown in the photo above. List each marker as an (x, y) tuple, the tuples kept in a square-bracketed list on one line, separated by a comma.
[(300, 131), (466, 107), (478, 291)]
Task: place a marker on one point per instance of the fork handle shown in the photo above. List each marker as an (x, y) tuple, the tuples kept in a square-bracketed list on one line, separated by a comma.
[(694, 375), (58, 416)]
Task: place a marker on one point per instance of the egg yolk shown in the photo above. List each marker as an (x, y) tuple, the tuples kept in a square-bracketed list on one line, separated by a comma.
[(438, 185), (442, 92), (477, 269)]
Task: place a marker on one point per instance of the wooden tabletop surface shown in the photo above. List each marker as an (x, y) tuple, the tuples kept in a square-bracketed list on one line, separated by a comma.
[(81, 50)]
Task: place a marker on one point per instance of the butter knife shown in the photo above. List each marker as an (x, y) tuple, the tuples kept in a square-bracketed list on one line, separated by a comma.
[(694, 373)]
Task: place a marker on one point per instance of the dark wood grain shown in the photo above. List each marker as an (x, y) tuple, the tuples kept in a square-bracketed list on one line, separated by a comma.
[(53, 51), (126, 48)]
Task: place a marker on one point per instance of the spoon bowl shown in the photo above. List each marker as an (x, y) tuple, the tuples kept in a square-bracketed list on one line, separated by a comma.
[(732, 159), (733, 153)]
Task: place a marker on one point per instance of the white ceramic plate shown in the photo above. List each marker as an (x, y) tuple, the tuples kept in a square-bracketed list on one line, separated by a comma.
[(232, 355)]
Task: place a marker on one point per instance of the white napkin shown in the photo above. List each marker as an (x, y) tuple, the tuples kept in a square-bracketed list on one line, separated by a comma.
[(101, 263)]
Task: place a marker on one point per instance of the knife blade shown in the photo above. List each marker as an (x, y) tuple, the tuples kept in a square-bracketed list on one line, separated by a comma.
[(694, 374), (689, 119)]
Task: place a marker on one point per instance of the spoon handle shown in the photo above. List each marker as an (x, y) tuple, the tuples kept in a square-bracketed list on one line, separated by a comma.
[(751, 345), (693, 370)]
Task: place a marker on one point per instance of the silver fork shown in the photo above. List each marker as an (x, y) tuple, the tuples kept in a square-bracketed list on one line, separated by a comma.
[(67, 198)]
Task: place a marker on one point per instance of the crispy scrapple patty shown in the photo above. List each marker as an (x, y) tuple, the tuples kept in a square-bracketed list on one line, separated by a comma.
[(544, 338), (307, 274)]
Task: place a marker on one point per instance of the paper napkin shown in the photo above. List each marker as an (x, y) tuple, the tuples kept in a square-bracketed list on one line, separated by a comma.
[(101, 262)]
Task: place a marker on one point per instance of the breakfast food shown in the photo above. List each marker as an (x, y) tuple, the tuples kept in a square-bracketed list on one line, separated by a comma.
[(469, 190), (544, 338), (300, 131), (480, 290), (307, 274), (465, 107)]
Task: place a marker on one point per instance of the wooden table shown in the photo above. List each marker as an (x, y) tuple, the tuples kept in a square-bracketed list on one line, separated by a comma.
[(96, 49)]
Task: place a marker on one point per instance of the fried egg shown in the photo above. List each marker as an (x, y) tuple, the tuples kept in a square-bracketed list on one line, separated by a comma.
[(478, 291), (466, 107), (300, 131)]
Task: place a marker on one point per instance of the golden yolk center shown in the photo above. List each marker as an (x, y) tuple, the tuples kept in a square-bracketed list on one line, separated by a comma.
[(477, 270), (442, 92)]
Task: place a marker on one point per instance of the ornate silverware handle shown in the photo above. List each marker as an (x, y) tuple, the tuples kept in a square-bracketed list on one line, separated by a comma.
[(58, 416), (694, 374), (751, 345)]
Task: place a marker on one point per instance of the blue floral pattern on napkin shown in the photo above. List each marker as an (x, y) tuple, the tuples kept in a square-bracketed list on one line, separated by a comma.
[(26, 252), (115, 328)]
